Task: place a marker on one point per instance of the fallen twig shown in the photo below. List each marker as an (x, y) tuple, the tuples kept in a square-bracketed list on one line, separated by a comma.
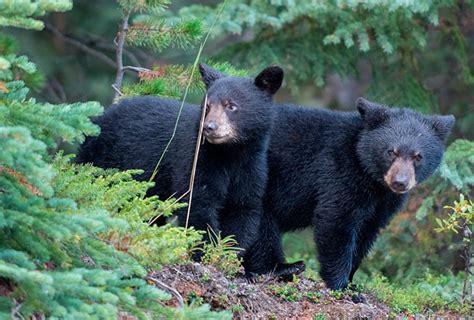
[(164, 286)]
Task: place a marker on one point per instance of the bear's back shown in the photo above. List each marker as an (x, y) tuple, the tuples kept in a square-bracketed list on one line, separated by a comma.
[(128, 127)]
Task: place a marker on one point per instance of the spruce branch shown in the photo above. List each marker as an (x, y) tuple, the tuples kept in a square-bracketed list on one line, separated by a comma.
[(158, 34)]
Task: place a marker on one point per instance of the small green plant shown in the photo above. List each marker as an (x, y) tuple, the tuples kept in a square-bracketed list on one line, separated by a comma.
[(222, 299), (222, 253), (194, 299), (462, 219), (338, 294), (295, 279), (313, 296), (206, 277), (287, 292), (237, 308), (319, 316)]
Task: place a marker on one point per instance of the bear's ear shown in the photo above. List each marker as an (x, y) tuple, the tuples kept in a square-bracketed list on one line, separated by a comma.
[(442, 125), (270, 79), (209, 75), (372, 113)]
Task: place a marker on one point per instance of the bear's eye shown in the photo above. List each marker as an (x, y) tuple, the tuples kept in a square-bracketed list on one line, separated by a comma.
[(417, 157), (231, 107), (392, 153)]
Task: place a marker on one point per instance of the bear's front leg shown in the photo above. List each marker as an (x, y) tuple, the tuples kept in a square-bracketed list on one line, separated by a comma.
[(335, 240), (365, 240), (242, 220), (243, 210), (266, 253)]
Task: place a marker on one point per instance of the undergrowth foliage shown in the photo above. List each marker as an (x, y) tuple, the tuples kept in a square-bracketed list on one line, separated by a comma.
[(456, 171), (425, 295), (124, 198), (461, 219), (223, 253)]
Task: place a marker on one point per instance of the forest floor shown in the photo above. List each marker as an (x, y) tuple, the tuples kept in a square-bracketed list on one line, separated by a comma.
[(270, 299)]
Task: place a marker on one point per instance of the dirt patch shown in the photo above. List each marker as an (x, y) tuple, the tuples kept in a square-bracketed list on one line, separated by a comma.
[(266, 299)]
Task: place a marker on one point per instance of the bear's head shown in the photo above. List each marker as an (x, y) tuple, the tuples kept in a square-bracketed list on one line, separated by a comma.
[(239, 109), (400, 147)]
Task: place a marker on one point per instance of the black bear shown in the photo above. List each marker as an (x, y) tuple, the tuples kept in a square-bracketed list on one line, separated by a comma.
[(232, 167), (345, 174)]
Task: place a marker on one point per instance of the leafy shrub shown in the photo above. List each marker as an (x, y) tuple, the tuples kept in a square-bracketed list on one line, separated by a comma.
[(462, 219), (456, 171)]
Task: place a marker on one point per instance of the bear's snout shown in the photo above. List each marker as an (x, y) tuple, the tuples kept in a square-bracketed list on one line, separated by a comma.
[(400, 182), (218, 128), (210, 127), (400, 177)]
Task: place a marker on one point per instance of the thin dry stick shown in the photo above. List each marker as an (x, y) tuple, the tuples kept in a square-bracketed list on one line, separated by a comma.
[(166, 208), (136, 69), (196, 156), (155, 170), (198, 142), (173, 291), (119, 54), (16, 309)]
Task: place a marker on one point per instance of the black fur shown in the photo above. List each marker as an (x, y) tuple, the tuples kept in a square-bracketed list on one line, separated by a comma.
[(230, 177), (327, 171)]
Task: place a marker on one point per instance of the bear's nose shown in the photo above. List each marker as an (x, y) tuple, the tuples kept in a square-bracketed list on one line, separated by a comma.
[(210, 126), (400, 182)]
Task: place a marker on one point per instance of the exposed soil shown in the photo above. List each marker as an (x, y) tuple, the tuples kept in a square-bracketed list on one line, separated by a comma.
[(266, 299)]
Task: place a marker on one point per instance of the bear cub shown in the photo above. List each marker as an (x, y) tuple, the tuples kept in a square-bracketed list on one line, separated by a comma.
[(232, 168), (345, 174)]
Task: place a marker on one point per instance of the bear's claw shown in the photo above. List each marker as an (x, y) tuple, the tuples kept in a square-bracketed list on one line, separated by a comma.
[(286, 271)]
